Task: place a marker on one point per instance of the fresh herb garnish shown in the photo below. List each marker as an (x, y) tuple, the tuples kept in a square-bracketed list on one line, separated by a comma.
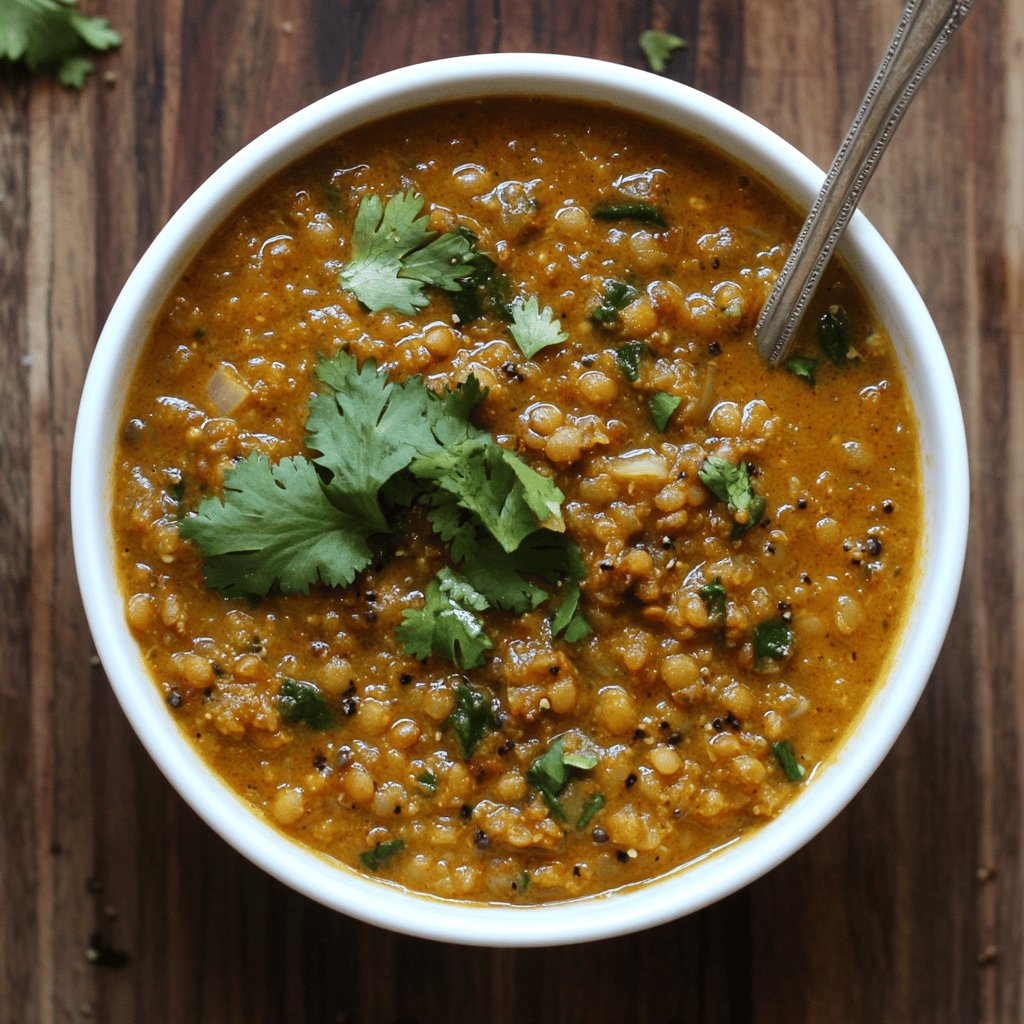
[(714, 597), (53, 35), (568, 621), (448, 624), (396, 255), (534, 328), (486, 289), (276, 526), (662, 405), (787, 759), (658, 47), (772, 640), (628, 357), (551, 773), (803, 367), (617, 296), (646, 213), (834, 334), (428, 781), (375, 859), (472, 718), (591, 806), (731, 484), (523, 883), (303, 702), (291, 525)]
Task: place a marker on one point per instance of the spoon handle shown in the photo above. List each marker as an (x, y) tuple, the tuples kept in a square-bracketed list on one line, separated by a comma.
[(921, 35)]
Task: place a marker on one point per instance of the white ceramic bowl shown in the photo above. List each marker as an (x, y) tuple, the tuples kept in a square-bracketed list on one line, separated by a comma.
[(895, 300)]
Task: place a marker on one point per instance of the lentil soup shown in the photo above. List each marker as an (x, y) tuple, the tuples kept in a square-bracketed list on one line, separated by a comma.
[(481, 553)]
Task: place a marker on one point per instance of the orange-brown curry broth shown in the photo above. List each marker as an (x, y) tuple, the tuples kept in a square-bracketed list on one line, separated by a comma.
[(682, 718)]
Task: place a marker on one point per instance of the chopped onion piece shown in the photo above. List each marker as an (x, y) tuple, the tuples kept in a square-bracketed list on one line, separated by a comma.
[(226, 390)]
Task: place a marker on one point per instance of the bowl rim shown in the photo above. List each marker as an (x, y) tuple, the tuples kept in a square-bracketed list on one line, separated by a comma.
[(684, 890)]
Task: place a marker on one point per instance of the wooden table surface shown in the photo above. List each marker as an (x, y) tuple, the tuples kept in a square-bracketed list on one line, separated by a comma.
[(910, 907)]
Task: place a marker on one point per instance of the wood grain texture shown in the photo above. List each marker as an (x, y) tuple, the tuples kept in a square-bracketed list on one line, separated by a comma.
[(882, 917)]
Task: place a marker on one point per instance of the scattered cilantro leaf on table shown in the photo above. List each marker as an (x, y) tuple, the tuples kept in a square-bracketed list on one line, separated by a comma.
[(472, 718), (275, 526), (395, 255), (53, 35), (534, 328), (658, 47), (732, 484), (448, 624)]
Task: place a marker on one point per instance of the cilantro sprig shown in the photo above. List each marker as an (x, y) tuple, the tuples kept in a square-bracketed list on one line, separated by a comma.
[(396, 255), (534, 328), (303, 702), (732, 484), (376, 445), (472, 718), (554, 769), (449, 624), (53, 35)]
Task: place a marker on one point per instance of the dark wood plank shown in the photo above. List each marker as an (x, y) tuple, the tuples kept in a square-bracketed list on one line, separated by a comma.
[(881, 917)]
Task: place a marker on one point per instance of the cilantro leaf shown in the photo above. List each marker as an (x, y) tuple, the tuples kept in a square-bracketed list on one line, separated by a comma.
[(591, 806), (275, 526), (646, 213), (662, 406), (618, 295), (53, 35), (732, 485), (510, 498), (803, 367), (714, 597), (772, 640), (658, 47), (366, 430), (834, 334), (395, 254), (375, 859), (448, 624), (788, 761), (552, 771), (628, 357), (427, 781), (568, 621), (534, 328), (487, 289), (303, 702), (472, 718)]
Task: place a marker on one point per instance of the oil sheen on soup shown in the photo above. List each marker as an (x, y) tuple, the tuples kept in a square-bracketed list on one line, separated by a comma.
[(463, 530)]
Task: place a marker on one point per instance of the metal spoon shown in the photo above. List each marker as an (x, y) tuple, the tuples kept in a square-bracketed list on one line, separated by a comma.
[(923, 31)]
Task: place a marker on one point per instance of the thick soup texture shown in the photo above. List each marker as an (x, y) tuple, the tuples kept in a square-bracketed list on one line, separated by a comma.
[(481, 554)]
